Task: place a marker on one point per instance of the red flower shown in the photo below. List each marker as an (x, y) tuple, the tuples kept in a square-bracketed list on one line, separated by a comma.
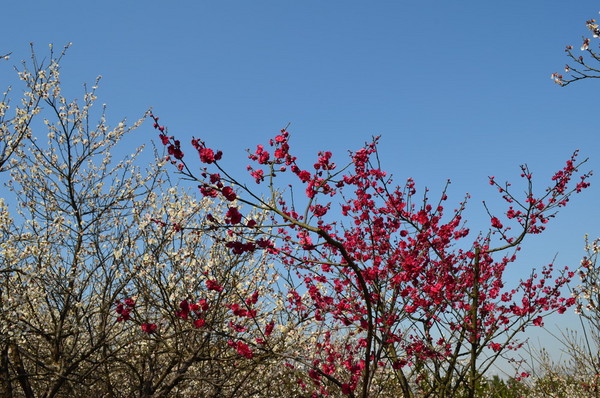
[(129, 302), (244, 350), (269, 328), (229, 193), (233, 216), (213, 285), (280, 153), (495, 346), (123, 312), (237, 310), (175, 150), (237, 327), (149, 327), (207, 155), (496, 223), (185, 310), (198, 323), (304, 176), (346, 389), (124, 309), (164, 139), (206, 190), (258, 175), (203, 304), (252, 299)]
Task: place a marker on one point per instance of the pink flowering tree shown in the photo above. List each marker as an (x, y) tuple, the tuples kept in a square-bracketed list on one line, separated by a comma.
[(583, 63), (399, 297)]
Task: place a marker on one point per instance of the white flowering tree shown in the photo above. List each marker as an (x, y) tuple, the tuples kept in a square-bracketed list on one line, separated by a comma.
[(112, 282), (582, 65), (577, 372), (16, 127)]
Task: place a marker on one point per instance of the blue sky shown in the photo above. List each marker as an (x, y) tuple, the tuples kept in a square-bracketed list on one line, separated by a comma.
[(457, 90)]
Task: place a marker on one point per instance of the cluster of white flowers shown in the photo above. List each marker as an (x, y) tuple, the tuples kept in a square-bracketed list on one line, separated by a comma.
[(88, 232)]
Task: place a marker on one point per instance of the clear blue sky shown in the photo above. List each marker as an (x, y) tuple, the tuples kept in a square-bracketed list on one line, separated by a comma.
[(458, 90)]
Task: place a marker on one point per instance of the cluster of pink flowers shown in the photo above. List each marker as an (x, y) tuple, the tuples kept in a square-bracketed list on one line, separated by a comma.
[(124, 309), (149, 327), (195, 311)]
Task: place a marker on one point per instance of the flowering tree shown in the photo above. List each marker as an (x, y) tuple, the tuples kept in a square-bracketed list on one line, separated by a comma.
[(577, 375), (113, 282), (581, 66), (401, 299), (585, 354), (577, 372), (14, 129)]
